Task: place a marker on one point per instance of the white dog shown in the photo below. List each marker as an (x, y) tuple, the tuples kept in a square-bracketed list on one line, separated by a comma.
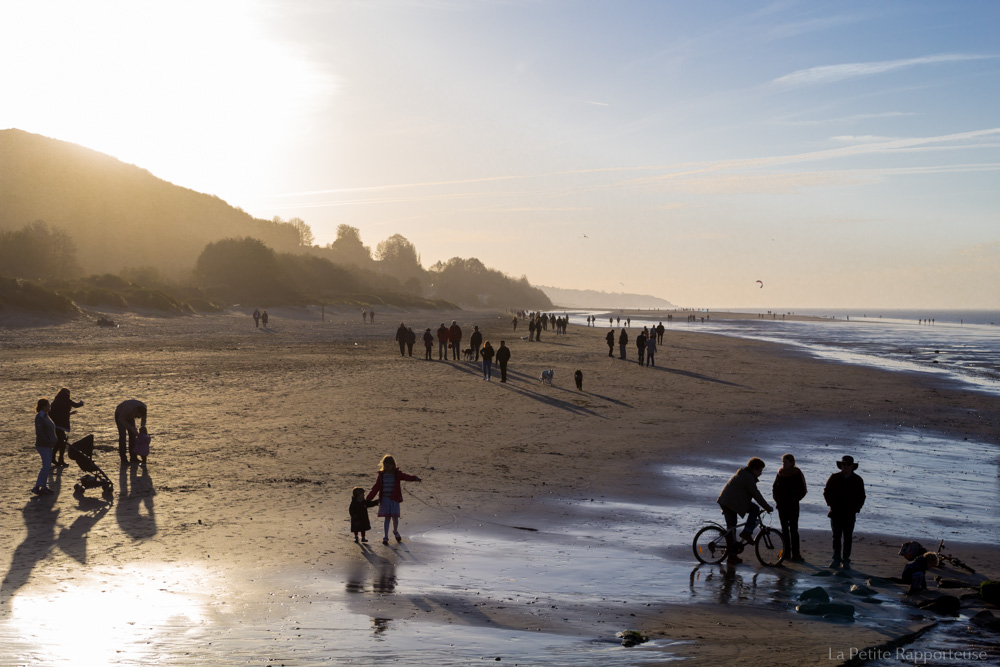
[(547, 376)]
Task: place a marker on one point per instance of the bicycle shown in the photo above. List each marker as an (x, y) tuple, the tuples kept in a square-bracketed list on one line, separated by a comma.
[(711, 547), (942, 557)]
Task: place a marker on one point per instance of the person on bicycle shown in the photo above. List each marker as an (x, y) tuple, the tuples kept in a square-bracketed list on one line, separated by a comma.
[(737, 499)]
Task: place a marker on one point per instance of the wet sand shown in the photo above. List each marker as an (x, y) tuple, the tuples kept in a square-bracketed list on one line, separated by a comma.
[(548, 520)]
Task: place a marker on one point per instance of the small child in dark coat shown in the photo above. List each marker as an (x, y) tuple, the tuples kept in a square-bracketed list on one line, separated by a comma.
[(359, 513)]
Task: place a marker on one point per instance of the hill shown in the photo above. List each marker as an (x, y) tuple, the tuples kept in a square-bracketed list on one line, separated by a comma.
[(118, 215), (577, 298)]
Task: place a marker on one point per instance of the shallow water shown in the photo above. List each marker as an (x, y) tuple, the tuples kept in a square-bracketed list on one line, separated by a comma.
[(922, 484), (968, 354), (624, 556)]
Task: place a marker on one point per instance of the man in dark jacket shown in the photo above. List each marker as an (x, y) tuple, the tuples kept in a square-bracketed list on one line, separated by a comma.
[(622, 343), (845, 495), (737, 499), (428, 342), (476, 341), (455, 339), (611, 343), (401, 336), (640, 345), (503, 356), (788, 489), (443, 334)]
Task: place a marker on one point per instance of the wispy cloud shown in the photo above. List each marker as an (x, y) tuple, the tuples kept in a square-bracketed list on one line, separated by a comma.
[(597, 104), (834, 73), (853, 118)]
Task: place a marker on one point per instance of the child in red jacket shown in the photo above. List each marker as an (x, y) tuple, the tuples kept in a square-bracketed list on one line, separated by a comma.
[(388, 487)]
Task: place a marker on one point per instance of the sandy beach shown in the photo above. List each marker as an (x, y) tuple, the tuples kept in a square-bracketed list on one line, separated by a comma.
[(548, 518)]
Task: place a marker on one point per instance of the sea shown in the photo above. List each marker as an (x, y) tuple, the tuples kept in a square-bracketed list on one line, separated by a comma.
[(955, 346)]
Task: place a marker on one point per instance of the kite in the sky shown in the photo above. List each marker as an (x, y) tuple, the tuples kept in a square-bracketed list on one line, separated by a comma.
[(761, 283)]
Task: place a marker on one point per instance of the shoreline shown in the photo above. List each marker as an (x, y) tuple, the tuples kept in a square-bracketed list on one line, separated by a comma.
[(258, 438)]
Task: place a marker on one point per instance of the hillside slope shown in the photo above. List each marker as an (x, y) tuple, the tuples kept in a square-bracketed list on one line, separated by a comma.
[(119, 215)]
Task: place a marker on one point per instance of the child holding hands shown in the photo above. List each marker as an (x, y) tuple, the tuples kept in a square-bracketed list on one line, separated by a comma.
[(388, 487), (359, 513)]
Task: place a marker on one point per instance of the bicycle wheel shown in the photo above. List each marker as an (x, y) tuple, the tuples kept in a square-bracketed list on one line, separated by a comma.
[(770, 547), (710, 545)]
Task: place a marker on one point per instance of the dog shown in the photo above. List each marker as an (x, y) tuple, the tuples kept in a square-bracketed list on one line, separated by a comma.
[(468, 353), (547, 376), (578, 376)]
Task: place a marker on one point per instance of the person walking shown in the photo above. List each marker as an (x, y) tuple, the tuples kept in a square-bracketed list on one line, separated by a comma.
[(611, 343), (476, 341), (125, 415), (62, 408), (389, 489), (263, 318), (401, 335), (455, 339), (45, 440), (503, 356), (256, 318), (487, 361), (622, 344), (845, 495), (737, 499), (640, 345), (659, 333), (788, 489), (411, 338), (442, 333)]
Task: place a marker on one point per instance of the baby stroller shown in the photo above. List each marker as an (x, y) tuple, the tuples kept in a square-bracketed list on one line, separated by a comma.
[(82, 451)]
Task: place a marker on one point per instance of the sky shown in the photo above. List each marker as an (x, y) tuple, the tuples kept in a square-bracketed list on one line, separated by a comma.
[(844, 154)]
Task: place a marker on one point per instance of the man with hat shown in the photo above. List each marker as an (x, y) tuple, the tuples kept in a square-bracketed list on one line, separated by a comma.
[(845, 495)]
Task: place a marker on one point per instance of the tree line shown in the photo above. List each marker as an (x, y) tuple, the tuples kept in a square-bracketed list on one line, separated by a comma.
[(248, 270)]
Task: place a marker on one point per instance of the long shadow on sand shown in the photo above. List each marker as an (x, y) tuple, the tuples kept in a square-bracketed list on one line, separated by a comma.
[(40, 517), (695, 376), (476, 370)]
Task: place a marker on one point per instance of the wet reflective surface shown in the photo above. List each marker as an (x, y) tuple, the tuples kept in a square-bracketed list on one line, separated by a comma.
[(451, 595)]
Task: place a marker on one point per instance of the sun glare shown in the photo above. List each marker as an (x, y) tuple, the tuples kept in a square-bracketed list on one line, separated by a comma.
[(166, 86), (98, 618)]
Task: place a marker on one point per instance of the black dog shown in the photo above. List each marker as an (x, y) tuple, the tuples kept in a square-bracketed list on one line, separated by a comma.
[(579, 380)]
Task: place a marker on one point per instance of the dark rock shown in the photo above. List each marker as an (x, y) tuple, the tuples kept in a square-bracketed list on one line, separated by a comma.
[(825, 609), (881, 581), (817, 594), (632, 637), (862, 591), (871, 600), (986, 619), (990, 591), (946, 605), (952, 583)]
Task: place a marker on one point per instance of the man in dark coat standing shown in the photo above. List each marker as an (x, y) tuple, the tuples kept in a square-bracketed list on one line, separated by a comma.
[(622, 343), (611, 343), (503, 356), (845, 495), (443, 334), (455, 339), (476, 341)]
